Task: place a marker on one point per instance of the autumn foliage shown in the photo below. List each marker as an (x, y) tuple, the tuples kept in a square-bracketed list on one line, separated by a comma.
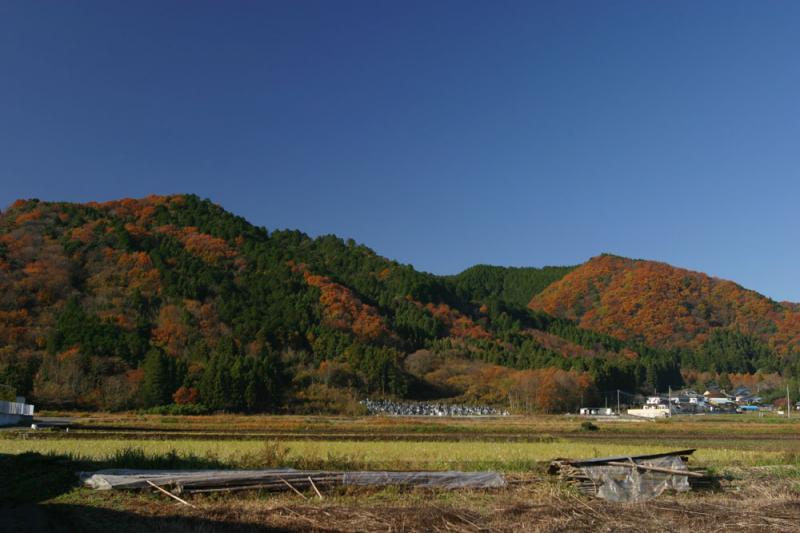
[(561, 345), (186, 395), (343, 310), (458, 325), (135, 303), (544, 390), (665, 306)]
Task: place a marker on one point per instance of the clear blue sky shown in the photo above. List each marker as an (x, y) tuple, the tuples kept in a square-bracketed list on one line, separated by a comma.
[(441, 134)]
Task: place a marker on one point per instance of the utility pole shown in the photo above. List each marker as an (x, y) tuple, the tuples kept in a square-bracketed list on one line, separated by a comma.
[(618, 411), (669, 401), (788, 404)]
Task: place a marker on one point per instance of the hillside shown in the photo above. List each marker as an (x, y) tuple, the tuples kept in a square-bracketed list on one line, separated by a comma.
[(513, 286), (145, 302), (162, 300), (669, 307)]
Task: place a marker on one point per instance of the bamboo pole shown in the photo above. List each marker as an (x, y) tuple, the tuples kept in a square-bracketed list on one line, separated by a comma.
[(656, 469), (315, 487), (168, 493), (272, 485), (294, 489), (265, 480)]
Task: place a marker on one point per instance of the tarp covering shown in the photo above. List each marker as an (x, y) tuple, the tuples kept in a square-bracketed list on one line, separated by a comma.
[(137, 479), (445, 480), (626, 484), (633, 478), (205, 479)]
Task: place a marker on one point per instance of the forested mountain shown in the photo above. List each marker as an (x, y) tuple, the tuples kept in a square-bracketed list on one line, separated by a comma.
[(724, 326), (172, 300)]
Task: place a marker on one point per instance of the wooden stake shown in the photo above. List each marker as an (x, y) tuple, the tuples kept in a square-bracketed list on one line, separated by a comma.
[(315, 487), (294, 489), (168, 493), (656, 469)]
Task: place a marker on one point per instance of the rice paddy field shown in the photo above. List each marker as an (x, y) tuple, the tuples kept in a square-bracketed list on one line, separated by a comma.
[(756, 460), (406, 455)]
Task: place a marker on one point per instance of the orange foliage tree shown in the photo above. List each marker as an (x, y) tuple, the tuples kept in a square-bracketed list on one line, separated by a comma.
[(343, 310)]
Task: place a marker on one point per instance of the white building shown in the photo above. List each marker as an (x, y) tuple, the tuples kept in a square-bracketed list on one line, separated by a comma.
[(596, 411), (654, 407), (13, 413)]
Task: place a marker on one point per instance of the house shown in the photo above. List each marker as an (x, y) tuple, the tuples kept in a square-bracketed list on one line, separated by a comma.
[(683, 401), (749, 400), (743, 395), (719, 402), (717, 398), (654, 400), (693, 397), (690, 403), (654, 407)]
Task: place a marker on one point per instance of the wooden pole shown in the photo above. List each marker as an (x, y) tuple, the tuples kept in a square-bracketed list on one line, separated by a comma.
[(788, 404), (315, 487), (168, 493), (294, 489), (669, 402), (269, 485), (656, 469)]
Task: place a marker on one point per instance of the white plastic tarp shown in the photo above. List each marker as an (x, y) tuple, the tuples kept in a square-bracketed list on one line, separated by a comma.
[(627, 484), (196, 479)]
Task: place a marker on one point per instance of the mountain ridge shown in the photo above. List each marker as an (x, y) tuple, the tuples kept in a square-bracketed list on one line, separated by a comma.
[(143, 302), (625, 297)]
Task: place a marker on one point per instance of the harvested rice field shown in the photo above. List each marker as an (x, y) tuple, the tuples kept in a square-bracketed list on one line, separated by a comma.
[(756, 463)]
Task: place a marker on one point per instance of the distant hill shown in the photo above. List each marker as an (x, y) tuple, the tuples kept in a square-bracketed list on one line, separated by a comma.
[(668, 307), (162, 300)]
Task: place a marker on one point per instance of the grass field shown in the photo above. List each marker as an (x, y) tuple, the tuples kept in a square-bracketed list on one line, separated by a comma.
[(758, 460), (407, 455)]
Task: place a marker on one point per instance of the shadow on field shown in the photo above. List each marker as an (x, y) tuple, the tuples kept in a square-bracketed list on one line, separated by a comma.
[(33, 477), (59, 518), (29, 479)]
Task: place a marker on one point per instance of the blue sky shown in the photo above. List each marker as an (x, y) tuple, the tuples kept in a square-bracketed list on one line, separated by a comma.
[(441, 134)]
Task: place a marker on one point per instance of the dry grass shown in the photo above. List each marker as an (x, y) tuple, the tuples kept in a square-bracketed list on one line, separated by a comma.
[(470, 455), (746, 505), (760, 458), (744, 424)]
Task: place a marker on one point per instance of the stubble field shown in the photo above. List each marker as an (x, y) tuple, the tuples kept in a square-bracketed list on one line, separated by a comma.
[(756, 460)]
